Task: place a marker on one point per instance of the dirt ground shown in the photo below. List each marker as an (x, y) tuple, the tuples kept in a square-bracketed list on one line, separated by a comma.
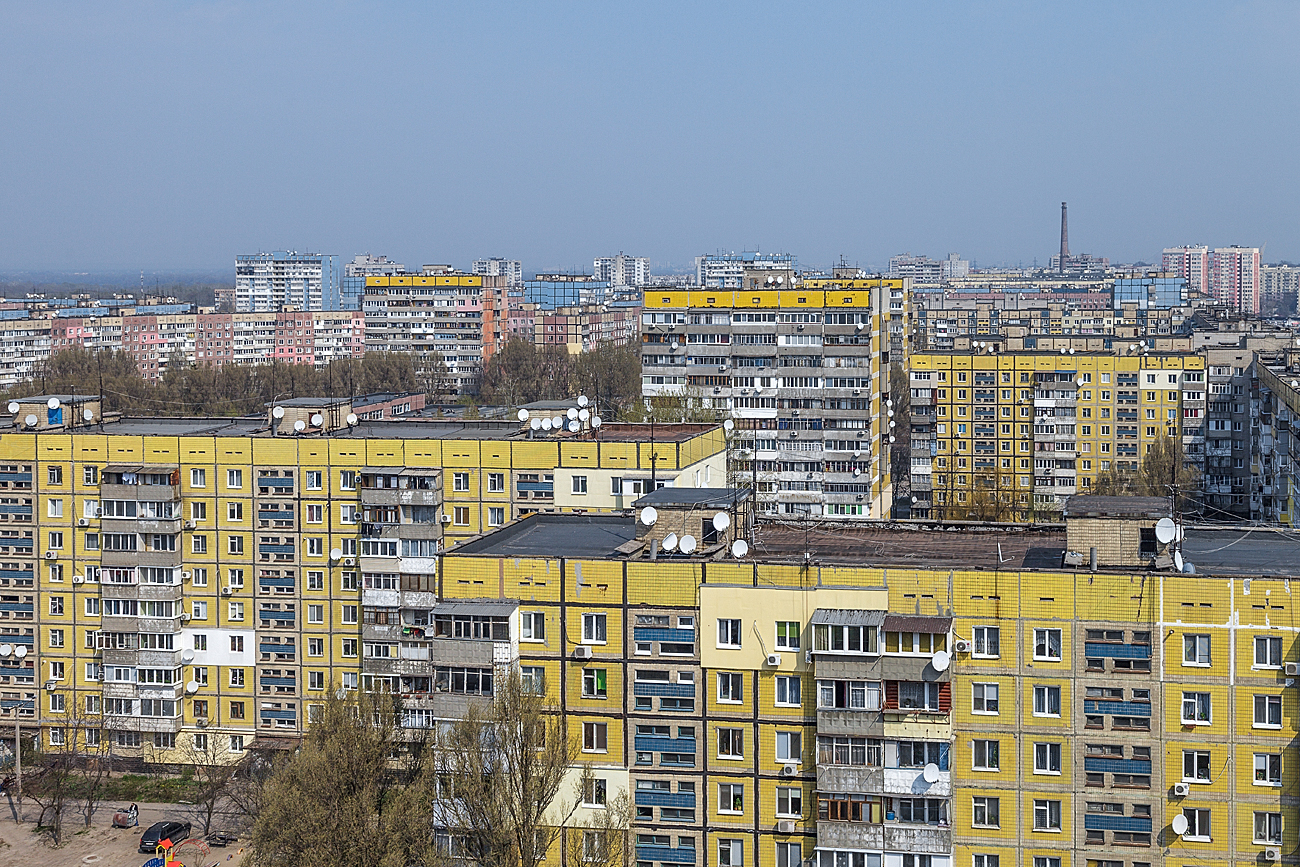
[(102, 845)]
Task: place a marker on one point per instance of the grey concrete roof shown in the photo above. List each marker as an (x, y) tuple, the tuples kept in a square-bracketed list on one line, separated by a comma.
[(1093, 506), (555, 535), (707, 498), (1243, 551)]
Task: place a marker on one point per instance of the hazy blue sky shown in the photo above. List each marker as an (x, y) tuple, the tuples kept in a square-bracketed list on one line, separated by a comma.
[(175, 135)]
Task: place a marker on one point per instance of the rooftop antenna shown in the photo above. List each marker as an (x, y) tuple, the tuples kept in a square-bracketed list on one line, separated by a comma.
[(1065, 241)]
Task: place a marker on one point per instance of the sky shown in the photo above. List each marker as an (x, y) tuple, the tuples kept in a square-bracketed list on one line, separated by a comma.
[(175, 135)]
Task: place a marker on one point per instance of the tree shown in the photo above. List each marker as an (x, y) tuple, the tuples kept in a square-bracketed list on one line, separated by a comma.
[(72, 770), (503, 766), (900, 451), (342, 799), (603, 839), (610, 374), (686, 406), (1165, 473), (214, 772)]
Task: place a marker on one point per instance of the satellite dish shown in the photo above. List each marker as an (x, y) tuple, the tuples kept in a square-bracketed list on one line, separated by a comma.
[(670, 542), (595, 421), (940, 660), (649, 515), (728, 425), (721, 521), (187, 656), (546, 423), (582, 400), (891, 438), (317, 420), (6, 649), (739, 548), (1072, 350), (1178, 560), (857, 472), (889, 403), (857, 453), (300, 425), (31, 420), (557, 422), (523, 415), (278, 412), (891, 413), (780, 280), (1180, 534), (687, 544), (575, 426), (930, 773), (535, 424), (1165, 530), (572, 413), (1295, 383), (52, 403), (192, 687), (88, 414), (14, 406), (1179, 824), (352, 419), (914, 500), (584, 414), (336, 553), (21, 651)]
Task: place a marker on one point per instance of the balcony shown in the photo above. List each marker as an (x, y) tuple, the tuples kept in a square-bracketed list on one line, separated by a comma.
[(399, 497), (891, 836)]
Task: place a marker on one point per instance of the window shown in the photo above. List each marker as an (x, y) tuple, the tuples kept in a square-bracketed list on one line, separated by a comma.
[(1198, 824), (731, 686), (533, 679), (1268, 652), (315, 613), (594, 737), (315, 647), (315, 513), (236, 743), (789, 747), (198, 478), (1268, 711), (234, 479), (593, 629), (349, 614), (55, 475), (234, 511), (460, 516), (235, 544), (1047, 758), (788, 691), (314, 480), (54, 508), (1196, 766), (460, 482), (496, 516), (348, 480), (593, 683), (348, 513), (728, 633), (1196, 708), (532, 626), (731, 853), (980, 859), (56, 638), (496, 483), (348, 648), (787, 635), (57, 670), (1047, 644), (985, 755), (1047, 815), (1268, 769), (731, 743), (58, 702), (985, 641), (56, 606), (789, 802), (56, 737), (198, 544), (92, 606), (90, 475), (1268, 827), (200, 577), (199, 609), (236, 611), (236, 677), (595, 793), (985, 812), (579, 484), (1196, 650), (1040, 861), (984, 698), (731, 798), (1047, 701)]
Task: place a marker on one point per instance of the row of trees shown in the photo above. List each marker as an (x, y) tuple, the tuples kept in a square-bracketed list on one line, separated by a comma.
[(522, 372)]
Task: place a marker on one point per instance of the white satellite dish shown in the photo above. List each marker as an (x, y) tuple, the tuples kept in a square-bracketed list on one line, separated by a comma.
[(1178, 561), (1295, 383), (913, 500), (300, 425), (582, 400), (557, 422), (728, 425), (192, 687), (278, 412), (891, 438), (52, 403), (649, 515), (1179, 824), (523, 415), (670, 542), (584, 414), (21, 651), (739, 548), (1072, 350), (575, 426), (187, 656), (721, 521), (857, 453), (546, 423), (336, 553), (1165, 530), (1180, 534), (857, 472), (930, 773), (352, 418), (780, 280), (14, 406), (889, 403), (572, 413), (940, 660), (317, 420), (595, 421), (88, 414), (687, 544), (31, 420), (535, 424), (5, 650)]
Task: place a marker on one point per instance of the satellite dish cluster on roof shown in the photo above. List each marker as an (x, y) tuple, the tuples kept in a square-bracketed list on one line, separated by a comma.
[(1168, 532), (687, 544), (573, 420)]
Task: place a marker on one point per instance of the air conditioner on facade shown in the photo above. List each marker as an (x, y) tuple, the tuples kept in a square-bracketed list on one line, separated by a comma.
[(185, 617), (349, 561), (1293, 669), (1272, 853), (774, 659), (789, 769), (785, 827), (78, 579), (50, 555), (961, 645), (227, 591), (190, 525), (1181, 790), (83, 522), (582, 651), (185, 576)]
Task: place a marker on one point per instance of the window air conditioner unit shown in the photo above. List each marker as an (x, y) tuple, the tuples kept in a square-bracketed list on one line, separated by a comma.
[(1293, 669), (227, 591), (83, 522), (789, 769), (774, 659), (785, 826), (349, 561), (582, 651), (961, 645), (1181, 790)]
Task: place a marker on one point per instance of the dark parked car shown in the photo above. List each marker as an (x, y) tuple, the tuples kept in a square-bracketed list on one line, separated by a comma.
[(174, 831)]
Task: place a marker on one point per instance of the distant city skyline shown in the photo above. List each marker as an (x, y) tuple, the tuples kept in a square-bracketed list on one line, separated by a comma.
[(179, 135)]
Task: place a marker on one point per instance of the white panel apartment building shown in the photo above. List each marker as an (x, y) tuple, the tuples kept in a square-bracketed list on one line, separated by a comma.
[(1191, 263), (267, 282), (511, 269), (622, 270)]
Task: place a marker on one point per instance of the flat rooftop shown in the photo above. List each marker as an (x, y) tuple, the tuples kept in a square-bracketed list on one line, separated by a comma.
[(550, 534)]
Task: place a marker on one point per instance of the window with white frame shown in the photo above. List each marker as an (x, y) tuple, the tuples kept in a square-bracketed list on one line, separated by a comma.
[(1047, 701), (1196, 650), (1268, 711), (1268, 769), (984, 698), (1047, 645), (985, 755), (1198, 824), (1047, 814), (1196, 708), (985, 642), (728, 632), (1268, 651), (1047, 758), (593, 629)]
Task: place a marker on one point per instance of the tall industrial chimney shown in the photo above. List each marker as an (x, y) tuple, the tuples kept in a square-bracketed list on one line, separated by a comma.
[(1065, 240)]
